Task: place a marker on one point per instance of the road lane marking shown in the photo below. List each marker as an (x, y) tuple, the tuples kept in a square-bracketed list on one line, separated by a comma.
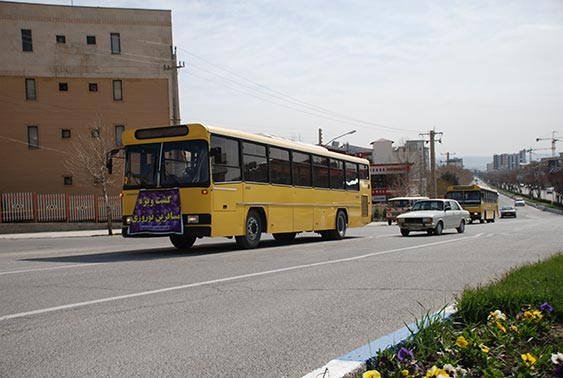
[(49, 268), (226, 279)]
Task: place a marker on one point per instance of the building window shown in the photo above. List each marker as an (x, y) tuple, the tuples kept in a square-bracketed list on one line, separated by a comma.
[(93, 87), (117, 90), (119, 129), (30, 93), (63, 87), (27, 42), (91, 39), (61, 39), (68, 180), (95, 132), (33, 136), (115, 43), (65, 133)]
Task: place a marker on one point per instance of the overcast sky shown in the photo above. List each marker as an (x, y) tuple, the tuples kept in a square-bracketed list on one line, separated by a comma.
[(488, 74)]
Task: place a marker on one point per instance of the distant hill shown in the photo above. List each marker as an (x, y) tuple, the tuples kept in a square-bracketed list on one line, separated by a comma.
[(477, 162)]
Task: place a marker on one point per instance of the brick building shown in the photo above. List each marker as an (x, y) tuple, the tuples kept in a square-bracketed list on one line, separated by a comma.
[(66, 68)]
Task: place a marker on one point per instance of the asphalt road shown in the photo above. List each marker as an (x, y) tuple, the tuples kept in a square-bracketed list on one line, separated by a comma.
[(113, 307)]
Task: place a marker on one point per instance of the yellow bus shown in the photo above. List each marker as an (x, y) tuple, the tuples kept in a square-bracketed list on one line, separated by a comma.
[(482, 203), (192, 181)]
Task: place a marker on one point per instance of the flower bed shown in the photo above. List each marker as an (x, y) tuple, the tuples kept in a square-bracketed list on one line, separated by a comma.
[(527, 344)]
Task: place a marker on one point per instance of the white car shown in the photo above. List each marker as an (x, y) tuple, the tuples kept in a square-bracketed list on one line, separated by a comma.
[(519, 202), (433, 216)]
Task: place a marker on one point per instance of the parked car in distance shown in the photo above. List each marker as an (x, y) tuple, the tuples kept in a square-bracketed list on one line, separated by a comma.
[(508, 211), (519, 202), (433, 216)]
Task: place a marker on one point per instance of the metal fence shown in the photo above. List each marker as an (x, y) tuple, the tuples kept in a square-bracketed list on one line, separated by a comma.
[(58, 207)]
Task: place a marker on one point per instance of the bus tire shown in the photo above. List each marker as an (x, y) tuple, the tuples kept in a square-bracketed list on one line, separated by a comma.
[(439, 228), (182, 241), (341, 224), (285, 236), (461, 227), (253, 231)]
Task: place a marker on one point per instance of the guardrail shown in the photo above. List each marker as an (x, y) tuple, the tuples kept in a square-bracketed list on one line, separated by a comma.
[(56, 207)]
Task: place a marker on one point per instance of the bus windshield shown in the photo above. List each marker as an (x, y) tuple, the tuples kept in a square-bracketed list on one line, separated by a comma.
[(167, 165), (465, 196)]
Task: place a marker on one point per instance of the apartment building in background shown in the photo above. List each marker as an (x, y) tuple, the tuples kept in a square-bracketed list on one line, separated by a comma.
[(66, 69)]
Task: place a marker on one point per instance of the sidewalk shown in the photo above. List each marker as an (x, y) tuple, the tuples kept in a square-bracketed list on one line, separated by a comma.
[(52, 230)]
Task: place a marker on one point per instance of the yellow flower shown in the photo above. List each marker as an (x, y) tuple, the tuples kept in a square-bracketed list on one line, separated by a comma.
[(533, 315), (405, 373), (501, 327), (514, 328), (484, 348), (461, 342), (371, 374), (437, 373), (529, 360)]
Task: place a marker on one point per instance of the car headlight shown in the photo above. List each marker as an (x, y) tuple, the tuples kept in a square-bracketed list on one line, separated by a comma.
[(427, 220)]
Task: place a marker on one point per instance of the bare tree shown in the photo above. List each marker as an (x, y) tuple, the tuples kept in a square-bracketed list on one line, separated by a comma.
[(87, 161)]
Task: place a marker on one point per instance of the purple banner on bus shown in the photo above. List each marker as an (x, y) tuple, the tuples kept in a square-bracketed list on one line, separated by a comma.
[(157, 212)]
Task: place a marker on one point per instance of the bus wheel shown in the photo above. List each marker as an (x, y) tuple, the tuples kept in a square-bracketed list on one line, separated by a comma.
[(182, 241), (340, 227), (285, 236), (251, 238)]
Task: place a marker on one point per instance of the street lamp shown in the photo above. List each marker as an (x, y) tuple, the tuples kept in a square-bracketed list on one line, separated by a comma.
[(340, 136)]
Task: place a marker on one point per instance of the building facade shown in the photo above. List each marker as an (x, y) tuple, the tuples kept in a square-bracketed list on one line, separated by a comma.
[(508, 162), (67, 70)]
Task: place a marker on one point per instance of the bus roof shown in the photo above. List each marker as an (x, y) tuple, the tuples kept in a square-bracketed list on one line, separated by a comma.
[(455, 188), (129, 138), (407, 198)]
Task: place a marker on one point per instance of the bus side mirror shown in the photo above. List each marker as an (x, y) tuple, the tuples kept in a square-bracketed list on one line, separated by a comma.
[(109, 160)]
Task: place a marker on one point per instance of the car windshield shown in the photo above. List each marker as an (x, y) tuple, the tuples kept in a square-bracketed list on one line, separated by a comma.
[(428, 205), (398, 203)]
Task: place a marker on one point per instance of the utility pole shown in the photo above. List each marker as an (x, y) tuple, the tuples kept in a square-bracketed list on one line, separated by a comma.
[(320, 137), (175, 120), (448, 157), (553, 140), (432, 137)]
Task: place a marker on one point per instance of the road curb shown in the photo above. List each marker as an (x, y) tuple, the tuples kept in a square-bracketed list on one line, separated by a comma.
[(353, 364)]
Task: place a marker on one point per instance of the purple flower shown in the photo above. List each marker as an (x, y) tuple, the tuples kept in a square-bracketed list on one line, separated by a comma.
[(546, 307), (405, 355), (559, 371)]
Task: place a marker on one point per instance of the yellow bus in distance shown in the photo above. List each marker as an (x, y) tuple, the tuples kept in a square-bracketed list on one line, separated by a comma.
[(192, 181), (481, 202)]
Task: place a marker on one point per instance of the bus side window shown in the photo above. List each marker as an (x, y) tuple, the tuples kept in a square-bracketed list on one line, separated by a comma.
[(225, 159)]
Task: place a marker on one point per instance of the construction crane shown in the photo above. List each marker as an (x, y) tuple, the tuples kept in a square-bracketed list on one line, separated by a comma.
[(533, 150), (553, 139)]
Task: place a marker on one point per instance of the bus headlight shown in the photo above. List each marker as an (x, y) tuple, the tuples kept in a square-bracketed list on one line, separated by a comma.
[(193, 219), (127, 221)]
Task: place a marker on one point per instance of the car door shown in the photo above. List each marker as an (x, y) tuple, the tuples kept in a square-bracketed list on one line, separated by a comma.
[(456, 213)]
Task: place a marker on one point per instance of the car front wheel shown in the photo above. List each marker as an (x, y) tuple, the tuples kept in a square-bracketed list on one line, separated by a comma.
[(404, 232), (438, 229), (461, 227)]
